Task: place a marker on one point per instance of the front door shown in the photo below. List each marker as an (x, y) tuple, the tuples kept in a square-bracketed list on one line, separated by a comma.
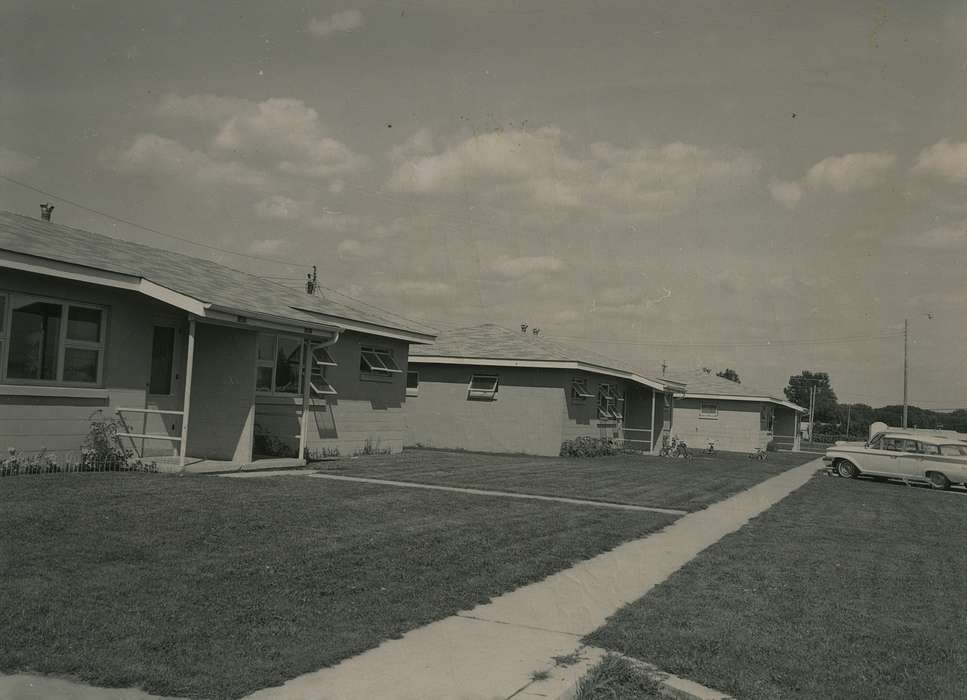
[(165, 387)]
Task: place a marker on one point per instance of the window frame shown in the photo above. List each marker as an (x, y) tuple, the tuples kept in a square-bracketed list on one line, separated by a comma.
[(706, 415), (383, 371), (412, 390), (319, 385), (578, 396), (608, 399), (485, 394), (273, 363), (12, 299)]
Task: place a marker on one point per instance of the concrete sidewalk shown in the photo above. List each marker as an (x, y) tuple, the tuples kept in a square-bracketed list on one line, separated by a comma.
[(490, 652)]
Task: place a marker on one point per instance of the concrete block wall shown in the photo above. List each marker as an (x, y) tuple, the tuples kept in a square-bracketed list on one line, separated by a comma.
[(526, 416), (737, 427)]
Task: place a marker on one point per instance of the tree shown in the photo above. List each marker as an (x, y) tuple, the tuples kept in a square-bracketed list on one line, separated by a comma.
[(729, 374), (800, 386)]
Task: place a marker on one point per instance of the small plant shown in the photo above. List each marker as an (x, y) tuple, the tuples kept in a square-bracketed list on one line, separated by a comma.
[(565, 660), (587, 446), (16, 463), (369, 448), (268, 445), (102, 447), (318, 454), (540, 675)]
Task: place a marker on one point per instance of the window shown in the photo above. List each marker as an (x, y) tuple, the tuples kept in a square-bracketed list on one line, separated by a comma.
[(483, 386), (412, 383), (579, 389), (954, 450), (320, 359), (709, 410), (378, 362), (930, 449), (892, 444), (767, 418), (162, 360), (876, 443), (278, 365), (608, 402), (47, 340), (911, 446)]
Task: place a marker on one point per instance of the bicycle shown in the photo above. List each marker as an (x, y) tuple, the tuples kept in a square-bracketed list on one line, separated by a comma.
[(673, 447), (758, 453), (710, 450)]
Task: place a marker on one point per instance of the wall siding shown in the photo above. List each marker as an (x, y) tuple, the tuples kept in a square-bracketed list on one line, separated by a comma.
[(59, 424), (736, 429)]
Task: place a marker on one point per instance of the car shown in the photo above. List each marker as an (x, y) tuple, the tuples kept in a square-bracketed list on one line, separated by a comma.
[(895, 454)]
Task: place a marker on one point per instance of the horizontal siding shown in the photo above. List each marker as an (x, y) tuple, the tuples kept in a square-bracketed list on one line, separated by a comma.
[(736, 429)]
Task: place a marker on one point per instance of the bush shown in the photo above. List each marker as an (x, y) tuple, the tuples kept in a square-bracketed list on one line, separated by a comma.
[(587, 446)]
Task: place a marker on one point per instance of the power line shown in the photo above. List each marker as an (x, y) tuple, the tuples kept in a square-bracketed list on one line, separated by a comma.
[(765, 342), (127, 222)]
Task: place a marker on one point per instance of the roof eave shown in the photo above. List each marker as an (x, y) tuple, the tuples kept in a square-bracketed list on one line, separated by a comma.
[(736, 397)]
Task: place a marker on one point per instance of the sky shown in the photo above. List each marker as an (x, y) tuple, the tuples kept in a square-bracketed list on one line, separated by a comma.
[(769, 187)]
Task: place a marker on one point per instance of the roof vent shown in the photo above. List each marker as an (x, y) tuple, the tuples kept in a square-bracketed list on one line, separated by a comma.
[(523, 328), (46, 210)]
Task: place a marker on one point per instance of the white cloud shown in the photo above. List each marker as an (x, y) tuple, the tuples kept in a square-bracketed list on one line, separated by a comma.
[(517, 268), (269, 246), (289, 134), (949, 237), (345, 21), (627, 301), (150, 153), (204, 108), (15, 163), (356, 249), (786, 193), (420, 143), (279, 207), (945, 160), (851, 172), (567, 316), (413, 288), (543, 166)]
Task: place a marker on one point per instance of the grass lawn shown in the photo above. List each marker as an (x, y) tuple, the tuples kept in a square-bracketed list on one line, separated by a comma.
[(635, 479), (846, 589), (212, 587)]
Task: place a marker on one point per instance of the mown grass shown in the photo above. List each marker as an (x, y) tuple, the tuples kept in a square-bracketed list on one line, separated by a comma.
[(212, 587), (616, 678), (690, 484), (846, 589)]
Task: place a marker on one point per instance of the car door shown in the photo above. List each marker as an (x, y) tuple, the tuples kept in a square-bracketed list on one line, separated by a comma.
[(883, 456), (910, 462)]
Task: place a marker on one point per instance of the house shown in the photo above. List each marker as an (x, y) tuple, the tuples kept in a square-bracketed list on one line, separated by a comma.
[(487, 388), (200, 361), (735, 416)]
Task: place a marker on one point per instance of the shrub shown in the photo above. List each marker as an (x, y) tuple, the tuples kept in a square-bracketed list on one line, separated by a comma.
[(102, 447), (321, 453), (587, 446), (369, 448)]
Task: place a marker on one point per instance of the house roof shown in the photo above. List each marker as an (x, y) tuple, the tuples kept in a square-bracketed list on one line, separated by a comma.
[(702, 384), (490, 344), (204, 281)]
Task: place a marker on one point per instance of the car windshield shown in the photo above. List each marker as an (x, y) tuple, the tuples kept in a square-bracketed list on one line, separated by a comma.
[(954, 450)]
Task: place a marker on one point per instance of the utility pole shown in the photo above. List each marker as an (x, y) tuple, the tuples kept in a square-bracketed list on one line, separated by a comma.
[(812, 411), (312, 281), (849, 408), (905, 372)]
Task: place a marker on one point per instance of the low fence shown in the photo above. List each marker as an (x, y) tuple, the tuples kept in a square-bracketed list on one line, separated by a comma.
[(20, 464)]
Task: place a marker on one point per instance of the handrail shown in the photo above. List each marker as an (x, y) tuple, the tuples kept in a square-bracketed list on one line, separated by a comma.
[(151, 410), (147, 436)]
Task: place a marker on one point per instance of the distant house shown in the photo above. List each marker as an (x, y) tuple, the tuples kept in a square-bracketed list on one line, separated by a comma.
[(491, 389), (202, 361), (736, 416)]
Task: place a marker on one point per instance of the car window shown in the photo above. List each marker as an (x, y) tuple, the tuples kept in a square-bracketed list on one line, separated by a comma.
[(911, 446), (892, 444), (876, 443), (954, 450), (930, 449)]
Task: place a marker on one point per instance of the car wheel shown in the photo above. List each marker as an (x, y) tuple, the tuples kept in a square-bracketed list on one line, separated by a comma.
[(938, 481), (847, 469)]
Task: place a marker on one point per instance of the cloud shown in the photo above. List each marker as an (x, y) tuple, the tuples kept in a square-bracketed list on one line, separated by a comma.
[(15, 163), (413, 288), (203, 108), (345, 21), (851, 172), (289, 134), (420, 143), (154, 154), (786, 193), (543, 166), (944, 160), (517, 268), (279, 208), (269, 246), (627, 301), (949, 237), (567, 316), (356, 249)]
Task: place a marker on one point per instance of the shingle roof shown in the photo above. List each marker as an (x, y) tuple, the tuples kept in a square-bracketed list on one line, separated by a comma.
[(203, 280), (492, 342), (700, 382)]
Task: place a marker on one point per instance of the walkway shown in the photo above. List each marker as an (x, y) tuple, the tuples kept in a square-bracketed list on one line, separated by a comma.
[(490, 652), (503, 494)]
